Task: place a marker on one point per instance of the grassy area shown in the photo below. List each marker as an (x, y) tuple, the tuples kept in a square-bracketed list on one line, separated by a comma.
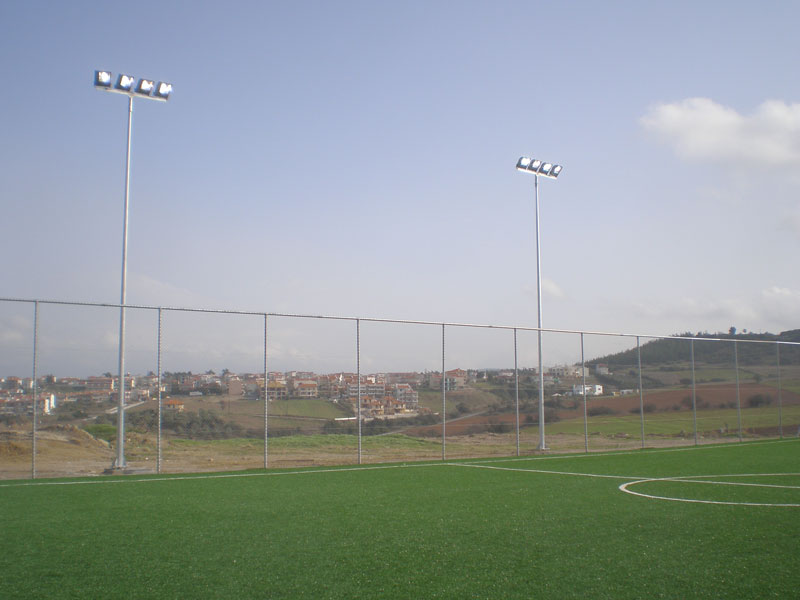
[(702, 374), (791, 385), (555, 527), (309, 442), (721, 373), (474, 399), (308, 407)]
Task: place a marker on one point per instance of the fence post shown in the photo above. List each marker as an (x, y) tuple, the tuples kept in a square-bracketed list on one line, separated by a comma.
[(358, 377), (738, 395), (780, 404), (444, 400), (585, 421), (35, 387), (516, 387), (266, 399), (641, 389), (694, 392), (160, 405)]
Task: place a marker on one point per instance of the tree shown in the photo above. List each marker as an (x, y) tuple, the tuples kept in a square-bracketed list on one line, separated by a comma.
[(732, 331)]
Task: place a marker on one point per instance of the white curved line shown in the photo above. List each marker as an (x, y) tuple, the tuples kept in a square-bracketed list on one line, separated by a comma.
[(693, 479)]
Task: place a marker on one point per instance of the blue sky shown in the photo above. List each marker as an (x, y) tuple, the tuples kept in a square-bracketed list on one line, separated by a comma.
[(357, 158)]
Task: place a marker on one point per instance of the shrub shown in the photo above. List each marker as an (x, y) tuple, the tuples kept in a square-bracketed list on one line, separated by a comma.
[(648, 408), (499, 427), (102, 431), (759, 400), (596, 411)]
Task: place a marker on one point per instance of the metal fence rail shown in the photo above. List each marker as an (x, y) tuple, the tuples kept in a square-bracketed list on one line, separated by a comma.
[(636, 372)]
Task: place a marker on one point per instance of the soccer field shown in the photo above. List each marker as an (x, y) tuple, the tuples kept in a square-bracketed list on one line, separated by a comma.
[(699, 522)]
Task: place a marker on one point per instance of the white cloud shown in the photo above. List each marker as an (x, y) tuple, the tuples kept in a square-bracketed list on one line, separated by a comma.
[(549, 288), (701, 129), (773, 309), (781, 304), (143, 289), (15, 330), (710, 313), (791, 221)]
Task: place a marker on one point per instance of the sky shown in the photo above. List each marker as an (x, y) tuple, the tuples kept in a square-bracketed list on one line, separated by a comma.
[(357, 159)]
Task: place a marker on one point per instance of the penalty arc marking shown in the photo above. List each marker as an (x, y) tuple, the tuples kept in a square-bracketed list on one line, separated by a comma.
[(703, 479)]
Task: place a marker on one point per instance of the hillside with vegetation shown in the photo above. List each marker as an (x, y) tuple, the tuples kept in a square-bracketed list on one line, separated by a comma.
[(711, 349)]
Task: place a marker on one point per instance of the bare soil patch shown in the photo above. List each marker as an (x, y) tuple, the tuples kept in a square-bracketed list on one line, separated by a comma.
[(710, 396), (60, 450)]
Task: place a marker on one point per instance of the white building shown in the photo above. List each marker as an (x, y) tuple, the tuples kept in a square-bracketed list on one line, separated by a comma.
[(590, 390)]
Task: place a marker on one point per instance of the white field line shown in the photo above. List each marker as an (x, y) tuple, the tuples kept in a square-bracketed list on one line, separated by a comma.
[(682, 479), (638, 451), (697, 479), (625, 487), (476, 464), (521, 470), (221, 475)]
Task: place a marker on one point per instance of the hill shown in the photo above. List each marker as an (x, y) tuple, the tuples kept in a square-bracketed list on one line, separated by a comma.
[(674, 350)]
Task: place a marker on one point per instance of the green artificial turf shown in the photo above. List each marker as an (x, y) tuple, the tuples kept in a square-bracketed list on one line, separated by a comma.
[(536, 527)]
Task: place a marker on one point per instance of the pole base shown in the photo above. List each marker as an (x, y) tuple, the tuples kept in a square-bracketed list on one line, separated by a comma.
[(114, 470), (125, 471)]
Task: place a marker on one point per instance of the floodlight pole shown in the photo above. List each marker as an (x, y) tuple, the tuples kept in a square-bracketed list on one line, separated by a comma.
[(120, 463), (542, 445), (538, 167), (145, 89)]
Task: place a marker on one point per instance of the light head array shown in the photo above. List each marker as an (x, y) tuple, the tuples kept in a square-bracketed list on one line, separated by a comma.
[(538, 167), (125, 84)]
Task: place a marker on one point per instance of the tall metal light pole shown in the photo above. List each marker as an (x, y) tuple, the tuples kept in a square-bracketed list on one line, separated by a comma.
[(538, 167), (146, 88)]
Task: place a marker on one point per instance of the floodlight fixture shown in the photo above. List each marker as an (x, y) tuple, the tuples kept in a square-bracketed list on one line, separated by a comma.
[(127, 85), (163, 90), (545, 169), (145, 87), (124, 83), (102, 79), (538, 167)]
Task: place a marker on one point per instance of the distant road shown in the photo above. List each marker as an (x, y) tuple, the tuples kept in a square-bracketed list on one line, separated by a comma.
[(111, 411), (404, 429)]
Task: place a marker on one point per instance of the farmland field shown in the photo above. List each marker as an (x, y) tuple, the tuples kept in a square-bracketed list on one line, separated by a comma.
[(714, 521)]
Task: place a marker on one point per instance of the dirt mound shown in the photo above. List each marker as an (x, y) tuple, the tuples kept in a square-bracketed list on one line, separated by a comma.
[(60, 449), (13, 444), (69, 434)]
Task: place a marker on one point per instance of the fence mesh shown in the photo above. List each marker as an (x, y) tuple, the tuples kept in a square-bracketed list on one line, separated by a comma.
[(224, 390)]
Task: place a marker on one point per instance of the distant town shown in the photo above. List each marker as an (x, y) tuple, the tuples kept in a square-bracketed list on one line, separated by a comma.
[(382, 394)]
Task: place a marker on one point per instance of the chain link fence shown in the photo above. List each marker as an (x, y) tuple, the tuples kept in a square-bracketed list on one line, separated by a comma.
[(327, 390)]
